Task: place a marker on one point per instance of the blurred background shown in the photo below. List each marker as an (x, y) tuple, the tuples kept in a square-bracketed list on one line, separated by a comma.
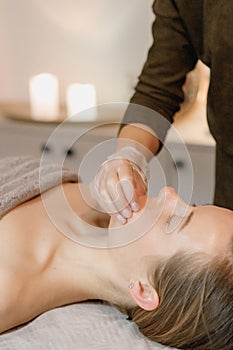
[(102, 42)]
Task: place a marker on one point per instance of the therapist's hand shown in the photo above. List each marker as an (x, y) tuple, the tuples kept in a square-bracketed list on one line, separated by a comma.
[(120, 182)]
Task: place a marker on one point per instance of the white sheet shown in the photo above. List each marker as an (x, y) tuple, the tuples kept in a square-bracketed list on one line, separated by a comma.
[(86, 326)]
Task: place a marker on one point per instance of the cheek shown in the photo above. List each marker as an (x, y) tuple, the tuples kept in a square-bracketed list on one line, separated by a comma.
[(158, 243), (152, 241)]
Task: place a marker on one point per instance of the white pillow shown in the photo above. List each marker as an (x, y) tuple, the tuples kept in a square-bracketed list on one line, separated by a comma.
[(85, 326)]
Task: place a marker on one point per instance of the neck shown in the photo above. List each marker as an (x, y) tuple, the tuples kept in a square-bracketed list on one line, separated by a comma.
[(89, 273)]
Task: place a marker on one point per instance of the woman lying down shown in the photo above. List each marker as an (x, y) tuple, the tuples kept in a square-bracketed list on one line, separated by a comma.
[(174, 280)]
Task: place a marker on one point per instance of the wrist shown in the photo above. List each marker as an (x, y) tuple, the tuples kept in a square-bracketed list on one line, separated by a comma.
[(135, 156)]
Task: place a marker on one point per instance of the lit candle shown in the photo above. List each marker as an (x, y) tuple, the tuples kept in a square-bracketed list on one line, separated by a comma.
[(44, 97), (81, 98)]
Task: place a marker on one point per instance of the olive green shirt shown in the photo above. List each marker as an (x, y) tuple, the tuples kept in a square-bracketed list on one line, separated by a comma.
[(185, 31)]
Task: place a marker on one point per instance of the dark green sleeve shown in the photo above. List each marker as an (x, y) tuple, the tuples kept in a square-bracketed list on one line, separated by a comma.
[(169, 59)]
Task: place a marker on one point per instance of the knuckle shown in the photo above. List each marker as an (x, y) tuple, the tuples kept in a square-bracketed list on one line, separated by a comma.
[(102, 193), (111, 184), (127, 178)]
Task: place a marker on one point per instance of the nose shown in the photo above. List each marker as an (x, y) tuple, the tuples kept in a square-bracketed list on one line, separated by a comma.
[(168, 197), (168, 192)]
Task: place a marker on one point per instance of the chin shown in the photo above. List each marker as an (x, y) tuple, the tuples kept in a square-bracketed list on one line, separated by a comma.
[(114, 223)]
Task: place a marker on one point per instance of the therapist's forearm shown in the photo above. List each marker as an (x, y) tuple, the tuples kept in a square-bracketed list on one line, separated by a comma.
[(142, 135)]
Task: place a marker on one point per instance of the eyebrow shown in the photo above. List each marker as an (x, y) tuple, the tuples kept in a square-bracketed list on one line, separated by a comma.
[(187, 220)]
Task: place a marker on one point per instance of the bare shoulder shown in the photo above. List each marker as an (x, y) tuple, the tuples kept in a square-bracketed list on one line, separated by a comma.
[(10, 286), (17, 303)]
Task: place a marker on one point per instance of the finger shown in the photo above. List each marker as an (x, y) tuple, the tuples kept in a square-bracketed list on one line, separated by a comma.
[(129, 186), (103, 196), (114, 190), (108, 174), (109, 206), (140, 181)]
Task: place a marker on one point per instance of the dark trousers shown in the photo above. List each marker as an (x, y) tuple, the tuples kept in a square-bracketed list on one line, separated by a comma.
[(224, 179)]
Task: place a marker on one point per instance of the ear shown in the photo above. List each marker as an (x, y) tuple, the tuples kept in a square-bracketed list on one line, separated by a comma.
[(144, 295)]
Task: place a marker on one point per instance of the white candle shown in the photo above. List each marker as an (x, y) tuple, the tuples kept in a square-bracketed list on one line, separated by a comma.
[(44, 97), (81, 102)]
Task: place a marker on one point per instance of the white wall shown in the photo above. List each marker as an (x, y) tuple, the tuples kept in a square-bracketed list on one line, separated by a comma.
[(104, 42)]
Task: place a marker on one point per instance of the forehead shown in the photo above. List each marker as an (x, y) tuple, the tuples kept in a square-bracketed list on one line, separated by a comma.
[(219, 217), (212, 227)]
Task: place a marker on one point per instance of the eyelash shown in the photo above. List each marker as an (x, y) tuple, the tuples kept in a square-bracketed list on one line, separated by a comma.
[(169, 219), (174, 215)]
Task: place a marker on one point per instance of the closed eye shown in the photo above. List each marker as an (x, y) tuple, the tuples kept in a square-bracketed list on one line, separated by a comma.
[(172, 222)]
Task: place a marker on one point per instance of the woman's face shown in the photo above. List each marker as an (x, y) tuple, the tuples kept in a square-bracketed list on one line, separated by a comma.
[(171, 225)]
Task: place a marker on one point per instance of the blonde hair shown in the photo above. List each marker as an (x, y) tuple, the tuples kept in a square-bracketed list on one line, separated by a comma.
[(196, 303)]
